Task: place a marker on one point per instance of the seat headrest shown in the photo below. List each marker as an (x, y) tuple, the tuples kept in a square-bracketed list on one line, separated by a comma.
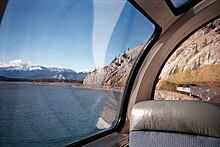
[(193, 117)]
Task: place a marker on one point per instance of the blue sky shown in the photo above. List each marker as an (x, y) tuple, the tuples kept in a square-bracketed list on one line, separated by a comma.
[(179, 3), (79, 35)]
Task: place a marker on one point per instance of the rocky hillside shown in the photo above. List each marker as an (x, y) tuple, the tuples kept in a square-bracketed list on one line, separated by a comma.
[(116, 73), (197, 60)]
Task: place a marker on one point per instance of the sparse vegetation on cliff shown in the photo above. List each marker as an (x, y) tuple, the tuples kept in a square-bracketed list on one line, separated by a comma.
[(197, 61), (116, 73)]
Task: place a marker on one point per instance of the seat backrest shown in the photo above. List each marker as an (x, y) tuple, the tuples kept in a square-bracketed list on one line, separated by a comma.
[(196, 122)]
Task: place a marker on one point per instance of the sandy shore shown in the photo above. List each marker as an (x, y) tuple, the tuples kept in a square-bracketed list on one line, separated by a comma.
[(4, 84)]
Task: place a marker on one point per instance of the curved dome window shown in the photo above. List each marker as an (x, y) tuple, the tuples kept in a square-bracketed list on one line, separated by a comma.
[(192, 71)]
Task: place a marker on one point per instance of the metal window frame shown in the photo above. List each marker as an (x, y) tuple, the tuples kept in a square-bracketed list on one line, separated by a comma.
[(3, 4)]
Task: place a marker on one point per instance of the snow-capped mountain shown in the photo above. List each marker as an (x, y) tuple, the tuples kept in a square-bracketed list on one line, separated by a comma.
[(19, 65), (20, 69)]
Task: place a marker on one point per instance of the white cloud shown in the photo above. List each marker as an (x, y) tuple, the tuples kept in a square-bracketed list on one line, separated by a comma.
[(3, 64), (17, 62), (84, 70)]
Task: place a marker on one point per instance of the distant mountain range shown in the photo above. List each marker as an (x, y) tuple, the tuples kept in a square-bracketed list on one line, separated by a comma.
[(22, 70)]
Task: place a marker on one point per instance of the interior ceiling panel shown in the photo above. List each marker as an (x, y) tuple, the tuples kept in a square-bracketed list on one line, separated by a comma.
[(164, 17)]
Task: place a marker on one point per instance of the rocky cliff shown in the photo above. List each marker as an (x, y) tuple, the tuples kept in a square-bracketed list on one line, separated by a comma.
[(116, 73), (197, 60)]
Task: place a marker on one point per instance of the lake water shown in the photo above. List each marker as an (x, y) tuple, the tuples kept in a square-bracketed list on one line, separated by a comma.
[(43, 115)]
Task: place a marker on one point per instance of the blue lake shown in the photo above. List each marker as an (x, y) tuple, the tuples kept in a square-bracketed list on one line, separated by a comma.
[(48, 115)]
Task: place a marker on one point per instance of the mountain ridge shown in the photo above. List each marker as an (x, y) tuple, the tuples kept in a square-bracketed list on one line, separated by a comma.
[(22, 70)]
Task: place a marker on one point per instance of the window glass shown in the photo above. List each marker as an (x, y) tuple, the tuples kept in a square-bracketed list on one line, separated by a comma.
[(179, 3), (192, 72), (63, 68), (181, 6)]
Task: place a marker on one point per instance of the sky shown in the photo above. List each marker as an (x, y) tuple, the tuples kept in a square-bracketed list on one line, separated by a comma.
[(178, 3), (79, 35)]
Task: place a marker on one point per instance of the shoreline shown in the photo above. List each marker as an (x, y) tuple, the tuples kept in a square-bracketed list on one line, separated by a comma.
[(107, 88), (80, 85), (73, 84)]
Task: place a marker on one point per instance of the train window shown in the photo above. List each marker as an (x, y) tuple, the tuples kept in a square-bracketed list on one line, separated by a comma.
[(179, 3), (192, 72), (180, 6), (63, 68)]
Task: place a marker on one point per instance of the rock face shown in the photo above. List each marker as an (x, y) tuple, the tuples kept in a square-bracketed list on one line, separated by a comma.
[(116, 73), (197, 59)]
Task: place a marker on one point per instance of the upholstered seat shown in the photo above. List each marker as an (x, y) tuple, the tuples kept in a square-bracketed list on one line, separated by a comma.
[(175, 123)]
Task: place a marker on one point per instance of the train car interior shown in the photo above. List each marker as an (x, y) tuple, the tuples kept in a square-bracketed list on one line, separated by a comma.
[(139, 73)]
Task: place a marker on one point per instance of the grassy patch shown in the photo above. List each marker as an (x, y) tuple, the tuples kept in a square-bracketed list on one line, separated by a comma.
[(208, 75), (166, 85)]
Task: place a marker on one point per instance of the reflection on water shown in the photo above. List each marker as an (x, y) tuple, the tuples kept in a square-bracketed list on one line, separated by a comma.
[(41, 115)]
